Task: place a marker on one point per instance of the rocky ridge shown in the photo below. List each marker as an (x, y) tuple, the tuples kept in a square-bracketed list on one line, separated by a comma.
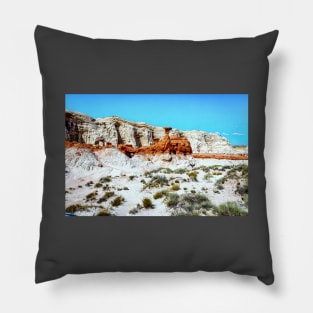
[(114, 131)]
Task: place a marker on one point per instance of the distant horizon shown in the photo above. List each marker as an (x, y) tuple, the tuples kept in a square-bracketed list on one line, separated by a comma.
[(223, 114)]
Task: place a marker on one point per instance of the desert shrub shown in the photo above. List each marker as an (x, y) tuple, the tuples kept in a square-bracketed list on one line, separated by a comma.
[(216, 191), (220, 187), (180, 171), (98, 185), (125, 188), (89, 183), (207, 176), (158, 195), (107, 187), (166, 170), (172, 199), (117, 201), (147, 203), (192, 191), (133, 211), (132, 177), (193, 176), (191, 202), (66, 191), (143, 181), (216, 173), (242, 190), (156, 181), (176, 181), (106, 196), (175, 187), (103, 212), (147, 174), (105, 179), (92, 196), (75, 207), (245, 200), (80, 186), (230, 209), (185, 188)]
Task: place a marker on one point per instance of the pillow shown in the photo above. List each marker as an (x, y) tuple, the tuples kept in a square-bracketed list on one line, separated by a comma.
[(162, 144)]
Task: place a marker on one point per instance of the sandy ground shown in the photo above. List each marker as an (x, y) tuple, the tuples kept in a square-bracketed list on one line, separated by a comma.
[(81, 168)]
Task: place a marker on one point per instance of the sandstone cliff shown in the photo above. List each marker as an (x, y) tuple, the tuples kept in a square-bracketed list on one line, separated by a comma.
[(114, 131)]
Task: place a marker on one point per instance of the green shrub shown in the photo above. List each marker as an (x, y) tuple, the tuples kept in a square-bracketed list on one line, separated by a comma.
[(89, 183), (105, 179), (175, 187), (207, 176), (92, 196), (143, 181), (185, 188), (158, 195), (180, 171), (191, 202), (229, 209), (98, 185), (103, 212), (133, 211), (132, 177), (192, 191), (125, 188), (193, 176), (76, 207), (117, 201), (147, 203), (106, 196), (106, 187), (172, 200)]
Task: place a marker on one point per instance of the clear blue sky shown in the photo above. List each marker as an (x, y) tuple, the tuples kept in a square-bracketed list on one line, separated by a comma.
[(226, 114)]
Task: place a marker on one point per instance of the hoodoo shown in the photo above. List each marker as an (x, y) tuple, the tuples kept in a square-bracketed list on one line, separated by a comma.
[(171, 145)]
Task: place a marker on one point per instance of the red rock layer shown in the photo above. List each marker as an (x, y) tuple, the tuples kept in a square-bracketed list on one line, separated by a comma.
[(219, 156), (172, 145), (70, 144)]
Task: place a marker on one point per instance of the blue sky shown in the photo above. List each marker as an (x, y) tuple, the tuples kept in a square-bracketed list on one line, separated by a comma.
[(226, 114)]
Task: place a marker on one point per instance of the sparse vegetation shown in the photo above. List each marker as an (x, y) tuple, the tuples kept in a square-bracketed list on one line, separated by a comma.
[(157, 181), (230, 209), (175, 187), (92, 196), (106, 196), (172, 200), (191, 204), (117, 201), (103, 212), (158, 195), (147, 203), (180, 171), (193, 176), (105, 179), (76, 207)]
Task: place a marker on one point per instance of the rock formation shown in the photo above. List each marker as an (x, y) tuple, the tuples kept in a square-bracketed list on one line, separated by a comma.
[(143, 138), (170, 145)]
